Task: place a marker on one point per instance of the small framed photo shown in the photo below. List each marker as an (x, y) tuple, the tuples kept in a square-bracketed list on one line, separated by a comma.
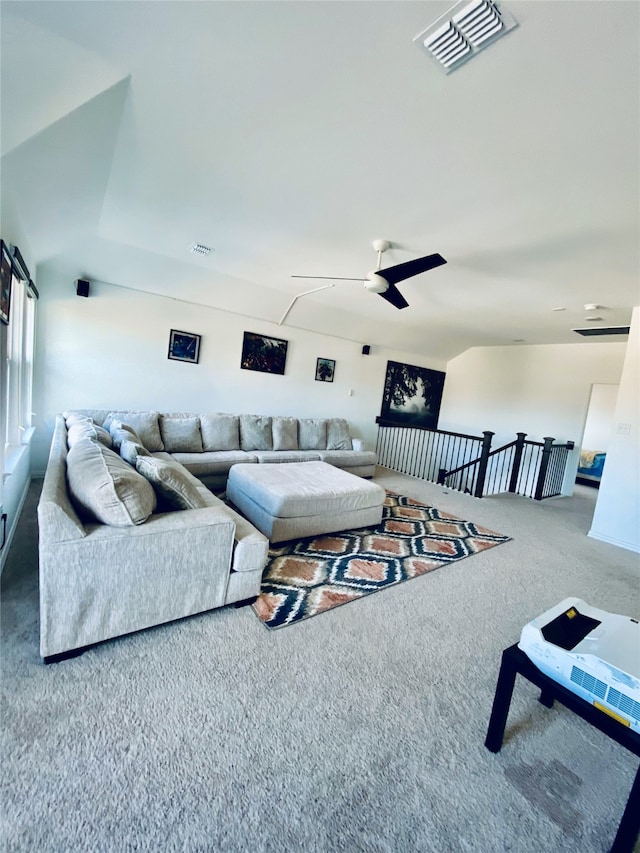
[(263, 353), (184, 346), (6, 275), (325, 369)]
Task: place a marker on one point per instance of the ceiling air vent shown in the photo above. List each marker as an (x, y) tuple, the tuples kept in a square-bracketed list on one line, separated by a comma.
[(603, 330), (466, 29), (199, 249)]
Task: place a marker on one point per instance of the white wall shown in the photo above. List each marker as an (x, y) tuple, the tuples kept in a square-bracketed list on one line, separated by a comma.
[(110, 350), (602, 406), (617, 515), (540, 390)]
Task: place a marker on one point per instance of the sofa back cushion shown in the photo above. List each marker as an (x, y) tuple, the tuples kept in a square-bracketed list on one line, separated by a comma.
[(175, 487), (122, 432), (220, 431), (255, 432), (181, 434), (144, 423), (105, 488), (312, 434), (338, 436), (285, 433), (85, 428)]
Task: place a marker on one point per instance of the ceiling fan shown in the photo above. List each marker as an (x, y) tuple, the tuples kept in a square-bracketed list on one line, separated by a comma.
[(383, 282)]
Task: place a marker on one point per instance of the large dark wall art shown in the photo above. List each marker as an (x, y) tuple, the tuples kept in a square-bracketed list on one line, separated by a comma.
[(260, 352), (412, 395)]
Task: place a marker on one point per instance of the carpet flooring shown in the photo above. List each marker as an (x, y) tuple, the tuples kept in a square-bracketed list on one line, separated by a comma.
[(309, 576)]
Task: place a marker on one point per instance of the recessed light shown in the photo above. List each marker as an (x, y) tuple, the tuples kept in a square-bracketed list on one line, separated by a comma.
[(591, 306), (559, 309), (592, 319), (518, 340)]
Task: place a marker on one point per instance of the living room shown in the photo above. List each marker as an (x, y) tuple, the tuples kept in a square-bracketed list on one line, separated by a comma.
[(81, 200)]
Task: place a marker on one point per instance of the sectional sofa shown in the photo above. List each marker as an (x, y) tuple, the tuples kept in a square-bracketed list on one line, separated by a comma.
[(130, 533)]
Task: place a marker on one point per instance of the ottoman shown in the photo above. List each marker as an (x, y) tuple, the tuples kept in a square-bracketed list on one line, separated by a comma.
[(292, 500)]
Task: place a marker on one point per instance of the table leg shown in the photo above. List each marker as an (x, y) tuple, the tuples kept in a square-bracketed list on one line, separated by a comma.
[(546, 698), (501, 703), (629, 827)]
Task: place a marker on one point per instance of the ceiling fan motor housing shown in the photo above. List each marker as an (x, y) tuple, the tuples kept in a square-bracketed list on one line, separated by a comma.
[(376, 283)]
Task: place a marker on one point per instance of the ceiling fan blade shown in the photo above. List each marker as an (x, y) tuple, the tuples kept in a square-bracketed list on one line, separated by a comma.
[(402, 271), (329, 277), (394, 296)]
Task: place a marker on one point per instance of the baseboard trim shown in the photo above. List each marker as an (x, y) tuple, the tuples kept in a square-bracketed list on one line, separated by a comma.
[(619, 543)]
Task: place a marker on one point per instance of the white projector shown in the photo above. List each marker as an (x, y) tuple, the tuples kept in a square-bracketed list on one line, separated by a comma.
[(591, 652)]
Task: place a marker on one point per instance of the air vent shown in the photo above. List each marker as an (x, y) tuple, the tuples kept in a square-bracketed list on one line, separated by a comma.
[(603, 330), (588, 682), (200, 249), (466, 29)]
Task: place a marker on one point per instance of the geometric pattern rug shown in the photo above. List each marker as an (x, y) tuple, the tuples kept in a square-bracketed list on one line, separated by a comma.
[(305, 577)]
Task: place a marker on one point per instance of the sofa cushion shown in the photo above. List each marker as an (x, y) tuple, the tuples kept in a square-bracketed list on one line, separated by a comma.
[(85, 428), (288, 455), (285, 433), (213, 461), (130, 450), (181, 435), (175, 487), (104, 488), (122, 432), (312, 434), (338, 436), (220, 431), (144, 423), (255, 432)]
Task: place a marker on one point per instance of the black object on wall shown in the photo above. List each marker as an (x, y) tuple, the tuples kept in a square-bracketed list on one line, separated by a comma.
[(82, 287), (366, 349)]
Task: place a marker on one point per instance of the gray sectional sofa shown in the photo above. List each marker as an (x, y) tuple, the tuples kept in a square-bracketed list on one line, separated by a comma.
[(130, 535)]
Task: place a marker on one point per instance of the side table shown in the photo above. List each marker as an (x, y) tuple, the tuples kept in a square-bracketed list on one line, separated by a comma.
[(515, 662)]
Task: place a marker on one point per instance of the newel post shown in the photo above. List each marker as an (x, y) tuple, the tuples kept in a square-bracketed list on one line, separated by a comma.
[(482, 464), (544, 464), (517, 461)]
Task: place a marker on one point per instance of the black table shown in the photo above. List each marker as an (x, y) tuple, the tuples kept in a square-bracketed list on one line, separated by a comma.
[(515, 662)]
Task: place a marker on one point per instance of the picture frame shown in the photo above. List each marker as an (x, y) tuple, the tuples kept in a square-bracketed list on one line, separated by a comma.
[(412, 395), (184, 346), (6, 278), (263, 353), (325, 369)]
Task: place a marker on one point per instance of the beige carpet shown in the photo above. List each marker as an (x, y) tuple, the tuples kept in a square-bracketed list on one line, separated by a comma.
[(361, 730)]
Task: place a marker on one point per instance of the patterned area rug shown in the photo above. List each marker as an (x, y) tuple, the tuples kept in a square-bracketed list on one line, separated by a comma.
[(309, 576)]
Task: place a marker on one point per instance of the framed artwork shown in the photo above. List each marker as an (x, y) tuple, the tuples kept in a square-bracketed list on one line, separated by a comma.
[(6, 275), (260, 352), (184, 346), (412, 395), (325, 369)]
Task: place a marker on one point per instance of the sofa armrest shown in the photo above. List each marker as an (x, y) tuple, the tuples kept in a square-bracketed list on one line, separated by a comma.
[(251, 547)]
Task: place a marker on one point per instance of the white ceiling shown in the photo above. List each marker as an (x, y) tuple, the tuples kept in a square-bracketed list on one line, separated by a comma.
[(289, 135)]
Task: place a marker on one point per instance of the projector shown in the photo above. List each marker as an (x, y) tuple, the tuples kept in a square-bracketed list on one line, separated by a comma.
[(591, 652)]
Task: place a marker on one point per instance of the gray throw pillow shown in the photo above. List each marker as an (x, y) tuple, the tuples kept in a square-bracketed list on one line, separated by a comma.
[(338, 435), (85, 428), (255, 432), (123, 432), (104, 488), (144, 423), (220, 431), (285, 433), (312, 434), (181, 435), (175, 487), (130, 450)]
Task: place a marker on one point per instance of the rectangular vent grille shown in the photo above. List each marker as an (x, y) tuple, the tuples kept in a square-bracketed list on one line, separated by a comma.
[(454, 38), (624, 703), (588, 682), (603, 330), (200, 249)]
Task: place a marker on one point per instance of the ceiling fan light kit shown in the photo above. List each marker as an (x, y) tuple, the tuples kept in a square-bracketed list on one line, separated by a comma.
[(463, 31)]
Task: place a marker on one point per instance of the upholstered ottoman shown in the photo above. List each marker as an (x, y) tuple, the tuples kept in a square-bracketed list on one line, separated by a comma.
[(297, 499)]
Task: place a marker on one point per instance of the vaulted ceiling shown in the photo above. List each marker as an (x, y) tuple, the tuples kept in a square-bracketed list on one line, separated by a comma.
[(287, 136)]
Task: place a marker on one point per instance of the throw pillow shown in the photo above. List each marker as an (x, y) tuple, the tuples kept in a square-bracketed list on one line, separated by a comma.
[(123, 432), (312, 434), (130, 450), (255, 432), (175, 487), (285, 433), (85, 428), (105, 488), (220, 431), (144, 423), (338, 436), (181, 435)]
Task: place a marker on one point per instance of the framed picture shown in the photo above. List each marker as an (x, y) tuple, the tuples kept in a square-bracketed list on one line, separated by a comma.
[(6, 275), (412, 395), (260, 352), (184, 346), (325, 369)]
